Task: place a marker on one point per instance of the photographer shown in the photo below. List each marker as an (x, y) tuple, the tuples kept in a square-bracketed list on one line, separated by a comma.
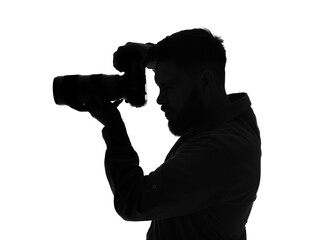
[(206, 187)]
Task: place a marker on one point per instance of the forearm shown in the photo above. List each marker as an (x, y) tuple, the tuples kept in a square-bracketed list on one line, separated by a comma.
[(121, 161), (123, 172)]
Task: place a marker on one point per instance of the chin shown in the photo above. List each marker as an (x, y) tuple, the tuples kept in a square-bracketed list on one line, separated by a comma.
[(177, 128)]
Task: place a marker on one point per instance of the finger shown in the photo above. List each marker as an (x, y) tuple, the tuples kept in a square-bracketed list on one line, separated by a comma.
[(98, 100), (80, 107), (96, 94), (117, 102)]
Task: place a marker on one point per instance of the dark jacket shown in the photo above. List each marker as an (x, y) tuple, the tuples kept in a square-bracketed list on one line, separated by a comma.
[(206, 187)]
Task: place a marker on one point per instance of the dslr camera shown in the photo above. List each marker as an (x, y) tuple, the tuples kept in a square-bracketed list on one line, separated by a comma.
[(74, 90)]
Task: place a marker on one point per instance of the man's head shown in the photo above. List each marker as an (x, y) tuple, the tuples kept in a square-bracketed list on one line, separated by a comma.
[(190, 71)]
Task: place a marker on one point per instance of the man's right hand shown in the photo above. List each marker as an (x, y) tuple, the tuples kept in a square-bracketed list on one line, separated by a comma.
[(129, 52)]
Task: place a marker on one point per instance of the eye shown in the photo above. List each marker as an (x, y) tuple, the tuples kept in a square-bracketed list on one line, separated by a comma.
[(165, 88)]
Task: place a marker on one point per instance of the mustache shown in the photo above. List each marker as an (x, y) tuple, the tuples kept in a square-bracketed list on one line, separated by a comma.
[(164, 108)]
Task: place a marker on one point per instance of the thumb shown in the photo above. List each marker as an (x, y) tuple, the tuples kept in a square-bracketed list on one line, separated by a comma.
[(117, 102)]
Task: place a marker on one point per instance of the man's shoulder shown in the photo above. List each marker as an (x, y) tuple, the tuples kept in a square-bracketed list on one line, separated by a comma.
[(232, 136)]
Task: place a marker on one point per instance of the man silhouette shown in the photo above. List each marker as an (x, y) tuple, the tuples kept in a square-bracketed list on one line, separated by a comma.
[(206, 187)]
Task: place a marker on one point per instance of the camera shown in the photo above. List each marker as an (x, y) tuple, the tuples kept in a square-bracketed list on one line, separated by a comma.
[(74, 90)]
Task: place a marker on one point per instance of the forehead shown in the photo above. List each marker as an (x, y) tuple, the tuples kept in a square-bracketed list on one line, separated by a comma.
[(166, 72)]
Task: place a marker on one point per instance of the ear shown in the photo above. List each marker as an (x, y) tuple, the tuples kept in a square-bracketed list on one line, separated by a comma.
[(207, 78)]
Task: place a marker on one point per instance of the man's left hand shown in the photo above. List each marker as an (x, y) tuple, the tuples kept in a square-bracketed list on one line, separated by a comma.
[(103, 110)]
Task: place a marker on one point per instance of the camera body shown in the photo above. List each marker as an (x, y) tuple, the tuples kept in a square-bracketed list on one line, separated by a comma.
[(74, 90)]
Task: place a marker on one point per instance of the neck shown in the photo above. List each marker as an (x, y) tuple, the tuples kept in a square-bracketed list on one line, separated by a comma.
[(217, 102)]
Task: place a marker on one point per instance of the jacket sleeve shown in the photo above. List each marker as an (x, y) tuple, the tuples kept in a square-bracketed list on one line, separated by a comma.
[(198, 175)]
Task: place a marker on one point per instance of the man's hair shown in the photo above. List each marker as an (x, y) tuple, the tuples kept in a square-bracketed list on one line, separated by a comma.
[(191, 49)]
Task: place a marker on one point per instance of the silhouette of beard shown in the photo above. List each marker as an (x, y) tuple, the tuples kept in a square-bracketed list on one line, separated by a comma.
[(189, 117)]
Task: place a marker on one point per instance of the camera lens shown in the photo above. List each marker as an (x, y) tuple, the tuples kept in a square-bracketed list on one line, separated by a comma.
[(58, 91)]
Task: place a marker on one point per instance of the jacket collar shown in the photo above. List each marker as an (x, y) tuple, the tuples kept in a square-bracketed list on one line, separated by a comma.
[(240, 103)]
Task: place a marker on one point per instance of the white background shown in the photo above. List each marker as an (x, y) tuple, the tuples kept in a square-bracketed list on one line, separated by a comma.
[(52, 179)]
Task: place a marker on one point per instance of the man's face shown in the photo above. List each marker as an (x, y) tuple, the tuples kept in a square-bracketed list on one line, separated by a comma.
[(179, 97)]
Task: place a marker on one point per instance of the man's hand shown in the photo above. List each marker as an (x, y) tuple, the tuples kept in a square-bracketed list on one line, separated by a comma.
[(103, 110)]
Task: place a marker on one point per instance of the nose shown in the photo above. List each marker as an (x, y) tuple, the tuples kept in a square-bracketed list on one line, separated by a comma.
[(161, 100)]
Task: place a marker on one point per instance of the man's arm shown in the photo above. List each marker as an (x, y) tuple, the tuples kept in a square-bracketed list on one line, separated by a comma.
[(199, 175)]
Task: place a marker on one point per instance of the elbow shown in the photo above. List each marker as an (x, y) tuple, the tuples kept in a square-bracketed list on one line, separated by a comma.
[(128, 209)]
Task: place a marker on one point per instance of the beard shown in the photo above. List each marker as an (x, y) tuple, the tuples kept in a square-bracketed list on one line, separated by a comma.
[(189, 117)]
